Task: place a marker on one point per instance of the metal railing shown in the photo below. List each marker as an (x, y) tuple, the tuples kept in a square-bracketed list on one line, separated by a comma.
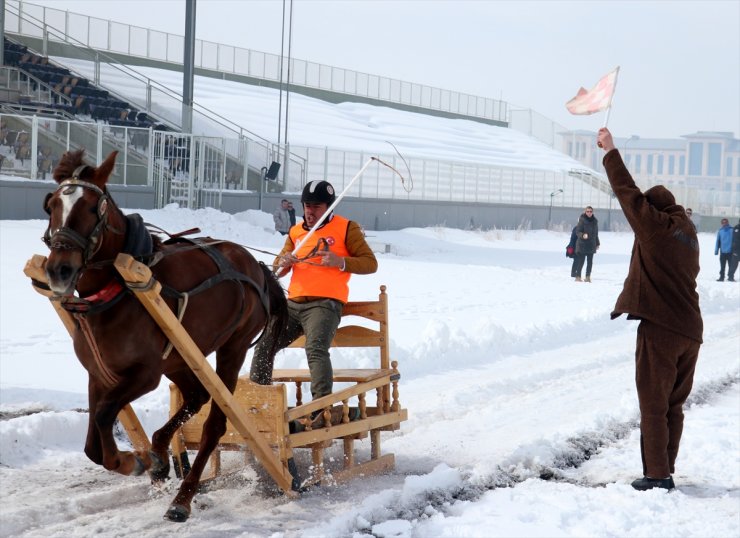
[(197, 171), (142, 92), (115, 37)]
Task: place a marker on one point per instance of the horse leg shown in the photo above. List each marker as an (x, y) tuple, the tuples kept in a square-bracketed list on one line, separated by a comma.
[(228, 364), (93, 448), (107, 408), (194, 397), (213, 429)]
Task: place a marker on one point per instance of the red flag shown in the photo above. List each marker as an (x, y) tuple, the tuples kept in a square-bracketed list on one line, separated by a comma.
[(597, 98)]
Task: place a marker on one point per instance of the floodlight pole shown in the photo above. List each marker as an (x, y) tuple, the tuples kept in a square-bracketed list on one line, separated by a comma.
[(553, 194)]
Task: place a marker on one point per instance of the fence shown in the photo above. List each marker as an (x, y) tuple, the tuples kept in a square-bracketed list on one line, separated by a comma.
[(193, 170), (114, 37)]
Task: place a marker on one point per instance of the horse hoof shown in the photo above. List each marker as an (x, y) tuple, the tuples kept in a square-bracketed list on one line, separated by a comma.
[(177, 513), (139, 466), (160, 470)]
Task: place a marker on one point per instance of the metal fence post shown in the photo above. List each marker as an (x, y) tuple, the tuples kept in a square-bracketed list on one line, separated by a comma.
[(34, 147)]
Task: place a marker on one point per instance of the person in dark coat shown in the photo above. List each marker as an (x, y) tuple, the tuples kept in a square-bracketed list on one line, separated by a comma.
[(291, 214), (735, 253), (587, 243), (660, 291)]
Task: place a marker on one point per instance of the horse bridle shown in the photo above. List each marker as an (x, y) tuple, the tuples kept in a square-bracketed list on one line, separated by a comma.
[(66, 238)]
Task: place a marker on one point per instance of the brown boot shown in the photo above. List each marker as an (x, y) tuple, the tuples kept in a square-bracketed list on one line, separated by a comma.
[(587, 279), (579, 279)]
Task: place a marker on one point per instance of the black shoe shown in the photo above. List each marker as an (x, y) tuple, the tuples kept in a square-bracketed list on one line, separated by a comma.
[(354, 414), (645, 483), (721, 279), (730, 280), (295, 426)]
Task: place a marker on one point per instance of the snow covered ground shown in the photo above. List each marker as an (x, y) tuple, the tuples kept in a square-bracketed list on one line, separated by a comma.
[(520, 390)]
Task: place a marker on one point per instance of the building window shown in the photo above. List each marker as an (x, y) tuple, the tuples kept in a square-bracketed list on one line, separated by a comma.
[(714, 161), (650, 164), (695, 156), (660, 165), (728, 172), (570, 149), (627, 160), (671, 164), (638, 163), (682, 165)]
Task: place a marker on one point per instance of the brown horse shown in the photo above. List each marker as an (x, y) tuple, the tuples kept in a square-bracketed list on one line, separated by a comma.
[(225, 297)]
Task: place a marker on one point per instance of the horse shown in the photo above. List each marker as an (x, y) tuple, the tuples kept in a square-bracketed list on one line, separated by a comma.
[(224, 297)]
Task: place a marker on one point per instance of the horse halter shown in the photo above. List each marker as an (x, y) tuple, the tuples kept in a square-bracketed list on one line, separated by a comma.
[(66, 238)]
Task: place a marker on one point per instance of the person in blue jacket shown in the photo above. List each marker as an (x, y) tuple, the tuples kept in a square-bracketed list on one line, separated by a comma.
[(723, 247)]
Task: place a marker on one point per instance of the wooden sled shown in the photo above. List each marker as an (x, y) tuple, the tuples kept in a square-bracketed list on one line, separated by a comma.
[(267, 405)]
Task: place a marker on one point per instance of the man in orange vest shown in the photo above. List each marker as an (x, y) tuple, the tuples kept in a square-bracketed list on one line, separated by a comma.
[(318, 286)]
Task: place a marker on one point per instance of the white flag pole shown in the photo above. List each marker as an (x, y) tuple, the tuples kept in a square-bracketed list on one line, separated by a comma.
[(614, 89), (332, 206)]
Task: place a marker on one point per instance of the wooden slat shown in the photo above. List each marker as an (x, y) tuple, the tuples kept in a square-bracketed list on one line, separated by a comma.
[(349, 336), (344, 430), (336, 397), (265, 405), (367, 309), (147, 290), (340, 374), (36, 269)]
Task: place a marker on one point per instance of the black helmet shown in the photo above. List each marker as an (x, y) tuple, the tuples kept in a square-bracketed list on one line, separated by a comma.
[(318, 191)]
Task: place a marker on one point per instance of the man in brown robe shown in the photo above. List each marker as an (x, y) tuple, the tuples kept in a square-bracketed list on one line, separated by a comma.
[(660, 291)]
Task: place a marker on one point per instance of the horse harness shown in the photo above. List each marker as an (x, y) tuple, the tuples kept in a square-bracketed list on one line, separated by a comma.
[(66, 238)]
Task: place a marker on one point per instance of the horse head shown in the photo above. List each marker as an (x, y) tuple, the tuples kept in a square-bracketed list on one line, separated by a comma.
[(82, 216)]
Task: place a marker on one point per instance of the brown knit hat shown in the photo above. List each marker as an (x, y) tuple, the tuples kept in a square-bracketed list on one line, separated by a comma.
[(659, 197)]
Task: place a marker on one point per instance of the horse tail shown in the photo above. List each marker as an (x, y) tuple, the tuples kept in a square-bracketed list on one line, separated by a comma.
[(278, 320)]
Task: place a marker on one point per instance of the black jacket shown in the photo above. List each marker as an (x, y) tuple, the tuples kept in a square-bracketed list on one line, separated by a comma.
[(588, 226)]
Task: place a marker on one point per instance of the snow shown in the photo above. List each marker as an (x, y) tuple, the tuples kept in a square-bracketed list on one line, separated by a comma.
[(520, 389)]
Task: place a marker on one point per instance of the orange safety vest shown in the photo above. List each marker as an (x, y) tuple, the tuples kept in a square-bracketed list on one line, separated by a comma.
[(319, 280)]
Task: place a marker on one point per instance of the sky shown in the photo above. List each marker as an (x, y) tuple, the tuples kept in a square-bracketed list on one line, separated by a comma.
[(680, 60), (510, 371)]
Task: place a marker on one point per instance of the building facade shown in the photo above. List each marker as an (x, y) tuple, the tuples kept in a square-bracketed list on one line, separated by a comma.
[(702, 169)]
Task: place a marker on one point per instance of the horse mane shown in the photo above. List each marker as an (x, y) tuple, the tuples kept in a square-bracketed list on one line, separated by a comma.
[(68, 164)]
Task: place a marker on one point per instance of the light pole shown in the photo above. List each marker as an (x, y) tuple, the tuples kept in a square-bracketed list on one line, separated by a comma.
[(553, 194), (611, 198), (626, 143)]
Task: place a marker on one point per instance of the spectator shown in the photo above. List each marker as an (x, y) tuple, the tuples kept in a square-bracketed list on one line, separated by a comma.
[(587, 243), (281, 216), (735, 254), (660, 291), (723, 247), (318, 286), (291, 214), (689, 213)]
